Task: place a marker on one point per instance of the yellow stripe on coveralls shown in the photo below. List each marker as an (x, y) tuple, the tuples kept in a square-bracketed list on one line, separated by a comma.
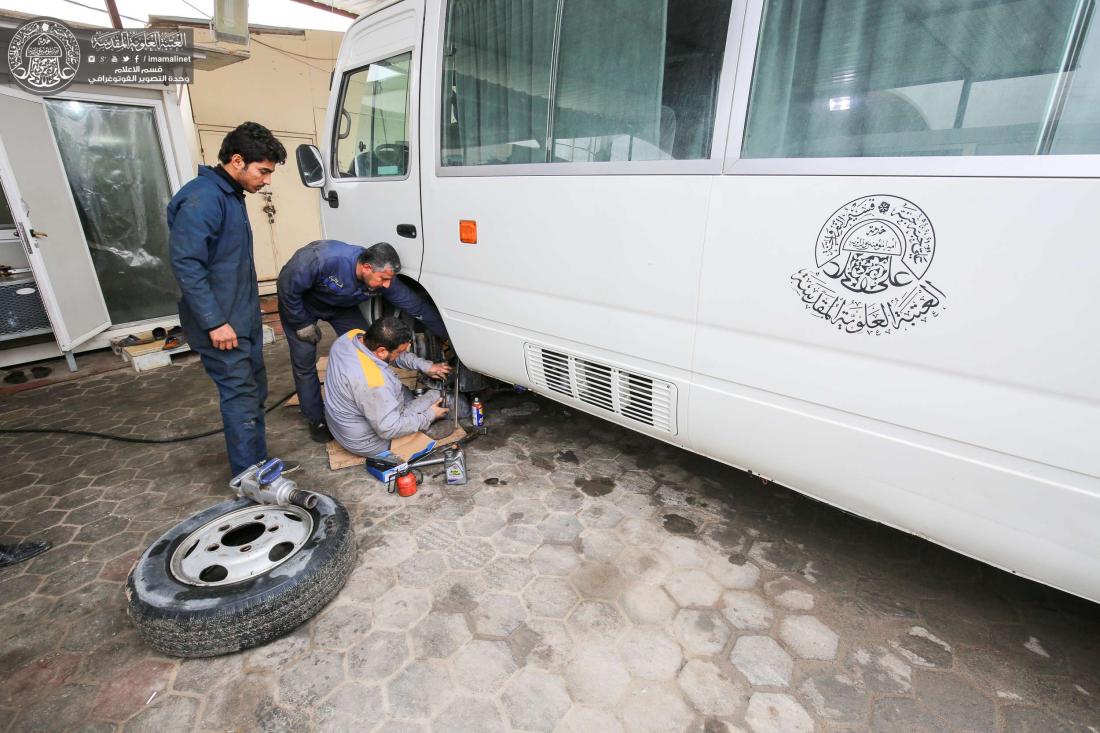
[(371, 371)]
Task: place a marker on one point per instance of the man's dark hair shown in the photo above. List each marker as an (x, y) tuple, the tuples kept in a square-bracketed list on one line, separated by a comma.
[(254, 143), (388, 332), (380, 257)]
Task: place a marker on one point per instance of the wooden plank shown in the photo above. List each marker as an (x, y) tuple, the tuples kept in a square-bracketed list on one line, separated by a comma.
[(338, 458)]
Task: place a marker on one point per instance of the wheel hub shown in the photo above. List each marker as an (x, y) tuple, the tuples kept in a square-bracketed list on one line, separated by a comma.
[(241, 545)]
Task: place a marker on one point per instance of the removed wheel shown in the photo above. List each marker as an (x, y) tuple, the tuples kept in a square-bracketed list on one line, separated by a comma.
[(238, 575)]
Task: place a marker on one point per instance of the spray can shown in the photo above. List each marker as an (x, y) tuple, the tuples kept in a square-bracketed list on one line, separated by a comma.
[(454, 466), (477, 412)]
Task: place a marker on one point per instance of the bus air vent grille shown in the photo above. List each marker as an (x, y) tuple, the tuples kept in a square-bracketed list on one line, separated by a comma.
[(634, 396)]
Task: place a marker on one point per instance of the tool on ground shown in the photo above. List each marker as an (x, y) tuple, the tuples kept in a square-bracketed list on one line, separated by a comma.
[(454, 465), (264, 483), (406, 483), (477, 412)]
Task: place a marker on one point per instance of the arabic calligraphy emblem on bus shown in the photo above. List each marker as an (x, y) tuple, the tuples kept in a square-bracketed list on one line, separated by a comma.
[(872, 257), (43, 55)]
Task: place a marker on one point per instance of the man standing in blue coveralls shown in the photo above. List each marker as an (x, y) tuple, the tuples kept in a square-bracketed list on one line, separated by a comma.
[(327, 280), (210, 245)]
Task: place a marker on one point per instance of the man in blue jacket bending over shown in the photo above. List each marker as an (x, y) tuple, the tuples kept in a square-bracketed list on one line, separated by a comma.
[(326, 281), (210, 246)]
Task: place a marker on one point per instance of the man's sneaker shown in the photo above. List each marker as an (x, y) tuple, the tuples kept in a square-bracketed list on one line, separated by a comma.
[(318, 432), (290, 466)]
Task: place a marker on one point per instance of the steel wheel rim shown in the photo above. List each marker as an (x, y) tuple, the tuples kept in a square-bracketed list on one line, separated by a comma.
[(241, 544)]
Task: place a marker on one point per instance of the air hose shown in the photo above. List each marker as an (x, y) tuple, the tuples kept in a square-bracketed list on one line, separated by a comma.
[(127, 438)]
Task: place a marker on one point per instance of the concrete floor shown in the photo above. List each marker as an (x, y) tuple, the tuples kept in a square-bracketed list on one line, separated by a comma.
[(588, 579)]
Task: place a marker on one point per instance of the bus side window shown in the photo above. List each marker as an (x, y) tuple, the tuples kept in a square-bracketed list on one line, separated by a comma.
[(372, 130), (954, 77), (631, 80)]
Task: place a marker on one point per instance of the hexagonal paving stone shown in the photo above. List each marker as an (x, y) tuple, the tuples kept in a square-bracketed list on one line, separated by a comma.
[(560, 527), (650, 707), (771, 712), (340, 626), (309, 680), (596, 676), (598, 580), (709, 690), (747, 610), (469, 715), (551, 559), (378, 656), (403, 726), (483, 666), (643, 565), (581, 719), (685, 553), (421, 570), (596, 621), (367, 584), (641, 533), (437, 535), (647, 604), (509, 573), (548, 647), (735, 576), (481, 522), (565, 501), (550, 597), (651, 654), (391, 549), (600, 546), (457, 592), (954, 701), (469, 553), (692, 588), (439, 635), (835, 697), (421, 689), (601, 515), (923, 648), (351, 707), (762, 660), (400, 608), (808, 638), (535, 701), (880, 670), (516, 539), (778, 556), (498, 614), (524, 511), (701, 631)]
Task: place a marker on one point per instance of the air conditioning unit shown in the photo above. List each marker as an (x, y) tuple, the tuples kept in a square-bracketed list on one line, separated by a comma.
[(21, 310), (643, 399)]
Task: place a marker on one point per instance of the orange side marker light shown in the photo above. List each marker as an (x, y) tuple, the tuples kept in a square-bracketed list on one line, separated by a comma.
[(467, 231)]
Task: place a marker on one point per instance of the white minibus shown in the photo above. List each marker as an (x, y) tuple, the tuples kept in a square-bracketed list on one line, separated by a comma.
[(848, 245)]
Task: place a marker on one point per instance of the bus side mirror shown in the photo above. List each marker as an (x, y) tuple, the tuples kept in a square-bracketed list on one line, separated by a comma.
[(310, 167)]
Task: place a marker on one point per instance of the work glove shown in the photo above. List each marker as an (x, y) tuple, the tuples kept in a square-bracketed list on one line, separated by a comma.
[(311, 334)]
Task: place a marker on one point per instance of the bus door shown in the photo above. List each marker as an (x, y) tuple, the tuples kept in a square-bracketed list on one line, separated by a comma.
[(372, 157)]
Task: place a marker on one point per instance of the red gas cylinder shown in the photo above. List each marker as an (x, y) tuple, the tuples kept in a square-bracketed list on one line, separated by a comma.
[(406, 484)]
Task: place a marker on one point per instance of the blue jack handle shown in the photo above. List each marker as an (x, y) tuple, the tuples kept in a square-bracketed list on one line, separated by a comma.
[(270, 471)]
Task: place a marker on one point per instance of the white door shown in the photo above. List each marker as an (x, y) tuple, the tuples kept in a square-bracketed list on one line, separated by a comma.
[(32, 173), (263, 249), (372, 157)]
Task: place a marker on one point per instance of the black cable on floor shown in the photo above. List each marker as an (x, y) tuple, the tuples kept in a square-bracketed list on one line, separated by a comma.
[(127, 438)]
